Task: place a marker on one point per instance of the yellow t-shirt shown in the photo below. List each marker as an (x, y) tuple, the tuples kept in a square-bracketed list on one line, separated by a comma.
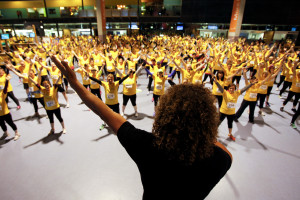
[(24, 71), (295, 85), (84, 76), (50, 98), (95, 85), (251, 93), (215, 89), (159, 84), (111, 92), (197, 78), (129, 85), (110, 65), (229, 102), (55, 74), (188, 75), (2, 83)]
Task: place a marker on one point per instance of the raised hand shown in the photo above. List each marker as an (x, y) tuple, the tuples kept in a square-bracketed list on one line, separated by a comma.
[(65, 69)]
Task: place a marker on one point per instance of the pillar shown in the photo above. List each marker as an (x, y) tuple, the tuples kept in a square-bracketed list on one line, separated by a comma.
[(101, 20), (236, 19)]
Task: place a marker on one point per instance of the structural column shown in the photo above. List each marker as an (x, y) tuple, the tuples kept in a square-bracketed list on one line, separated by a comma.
[(101, 20), (236, 19)]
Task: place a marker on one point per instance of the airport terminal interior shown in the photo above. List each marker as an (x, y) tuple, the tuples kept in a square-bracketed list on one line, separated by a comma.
[(86, 161)]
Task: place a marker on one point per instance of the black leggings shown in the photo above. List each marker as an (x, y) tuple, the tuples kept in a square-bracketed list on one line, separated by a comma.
[(8, 119), (242, 108), (34, 102), (156, 98), (132, 99), (220, 99), (12, 96), (96, 92), (237, 78), (114, 107), (178, 74), (229, 119), (286, 85), (150, 83), (290, 96), (261, 98), (280, 80), (295, 116), (57, 114)]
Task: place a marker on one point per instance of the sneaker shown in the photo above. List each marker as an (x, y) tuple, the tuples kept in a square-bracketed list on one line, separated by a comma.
[(16, 137), (267, 104), (122, 114), (152, 99), (18, 107), (148, 93), (281, 108), (261, 113), (136, 114), (64, 131), (102, 127), (231, 137), (294, 110), (68, 105), (281, 97), (51, 132), (293, 125)]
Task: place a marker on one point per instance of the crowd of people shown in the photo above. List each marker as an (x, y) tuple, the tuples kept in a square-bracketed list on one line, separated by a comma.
[(121, 59), (186, 116)]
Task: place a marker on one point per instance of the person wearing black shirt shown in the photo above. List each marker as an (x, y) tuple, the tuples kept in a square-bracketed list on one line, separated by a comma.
[(181, 158)]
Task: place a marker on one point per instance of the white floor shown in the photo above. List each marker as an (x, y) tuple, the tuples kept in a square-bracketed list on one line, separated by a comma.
[(87, 163)]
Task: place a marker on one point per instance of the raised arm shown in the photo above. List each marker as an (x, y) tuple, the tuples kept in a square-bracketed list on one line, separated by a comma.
[(114, 120)]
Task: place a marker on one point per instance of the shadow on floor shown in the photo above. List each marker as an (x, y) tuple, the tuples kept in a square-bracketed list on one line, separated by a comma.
[(109, 132), (140, 117), (48, 139), (4, 141), (31, 118)]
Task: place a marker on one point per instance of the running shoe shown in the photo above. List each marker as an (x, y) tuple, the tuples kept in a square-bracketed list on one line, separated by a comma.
[(16, 137), (136, 114), (51, 132), (18, 107), (261, 113), (281, 108), (294, 110), (281, 97), (64, 131), (102, 127), (231, 137), (68, 105), (267, 104), (293, 125), (122, 114), (148, 93)]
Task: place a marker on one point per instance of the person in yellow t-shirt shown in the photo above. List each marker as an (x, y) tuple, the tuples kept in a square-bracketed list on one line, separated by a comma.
[(10, 92), (51, 102), (95, 87), (159, 84), (215, 90), (129, 90), (5, 115), (111, 91), (227, 109), (295, 88)]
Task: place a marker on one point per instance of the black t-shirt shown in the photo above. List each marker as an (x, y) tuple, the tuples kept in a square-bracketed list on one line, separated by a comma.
[(166, 179)]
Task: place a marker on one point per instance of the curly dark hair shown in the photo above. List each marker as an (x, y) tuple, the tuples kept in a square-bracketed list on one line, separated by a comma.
[(186, 123)]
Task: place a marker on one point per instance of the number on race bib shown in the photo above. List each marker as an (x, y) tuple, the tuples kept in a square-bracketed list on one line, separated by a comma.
[(128, 85), (253, 95), (110, 96), (93, 82), (252, 62), (230, 105), (0, 107), (109, 68), (159, 87), (54, 77), (263, 87), (50, 103), (297, 84), (1, 87)]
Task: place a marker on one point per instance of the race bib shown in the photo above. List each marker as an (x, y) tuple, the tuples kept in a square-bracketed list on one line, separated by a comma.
[(86, 78), (122, 71), (291, 76), (93, 82), (128, 85), (1, 87), (263, 87), (110, 96), (0, 107), (297, 84), (50, 103), (30, 89), (109, 68), (218, 90), (253, 95), (96, 61), (159, 87), (54, 77), (252, 62), (230, 105)]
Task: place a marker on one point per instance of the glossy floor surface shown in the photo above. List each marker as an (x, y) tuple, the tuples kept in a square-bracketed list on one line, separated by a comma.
[(88, 164)]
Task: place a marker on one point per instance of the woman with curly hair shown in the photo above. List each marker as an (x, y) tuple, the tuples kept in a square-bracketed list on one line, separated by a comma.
[(181, 158)]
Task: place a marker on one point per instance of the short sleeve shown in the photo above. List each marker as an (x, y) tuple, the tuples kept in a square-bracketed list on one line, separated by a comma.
[(136, 142)]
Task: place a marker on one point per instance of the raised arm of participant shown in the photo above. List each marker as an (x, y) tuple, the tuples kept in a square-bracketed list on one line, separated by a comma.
[(10, 67), (114, 120), (138, 71), (125, 77), (245, 76), (219, 86), (148, 72), (118, 71), (247, 87)]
